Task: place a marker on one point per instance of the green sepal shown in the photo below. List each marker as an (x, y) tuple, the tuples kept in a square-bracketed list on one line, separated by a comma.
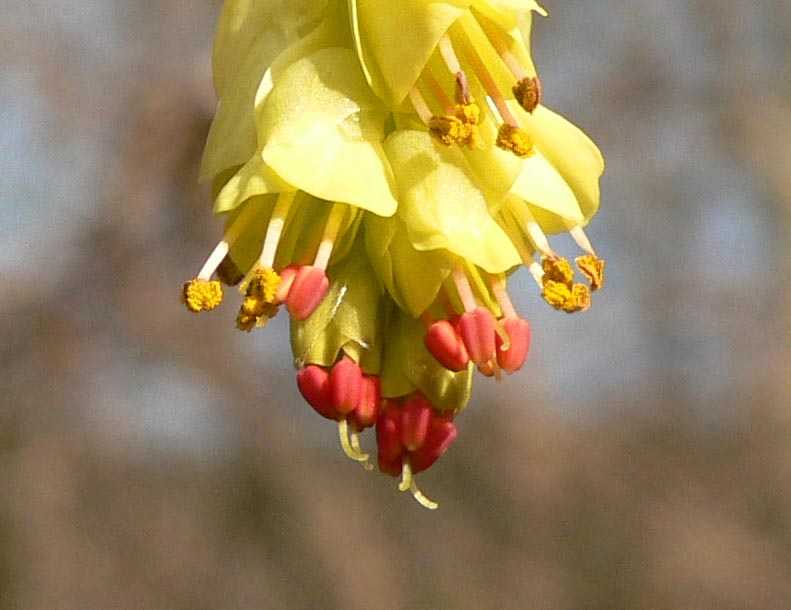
[(412, 277), (408, 366), (348, 318)]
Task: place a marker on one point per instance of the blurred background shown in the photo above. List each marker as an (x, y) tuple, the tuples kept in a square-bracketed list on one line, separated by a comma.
[(153, 460)]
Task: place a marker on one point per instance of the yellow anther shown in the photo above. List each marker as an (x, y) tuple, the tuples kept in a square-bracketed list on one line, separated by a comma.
[(580, 299), (528, 93), (202, 295), (229, 273), (264, 285), (247, 321), (447, 129), (469, 114), (557, 270), (557, 294), (457, 128), (592, 268), (258, 306), (253, 307), (515, 140)]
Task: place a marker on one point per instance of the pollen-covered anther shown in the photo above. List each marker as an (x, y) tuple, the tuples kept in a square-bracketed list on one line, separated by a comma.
[(557, 294), (258, 305), (448, 129), (528, 93), (557, 270), (592, 267), (580, 299), (514, 140), (202, 295), (254, 313), (264, 285), (469, 114)]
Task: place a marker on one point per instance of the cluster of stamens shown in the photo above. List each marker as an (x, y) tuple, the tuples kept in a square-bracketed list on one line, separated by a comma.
[(301, 288), (458, 122), (472, 323), (476, 335)]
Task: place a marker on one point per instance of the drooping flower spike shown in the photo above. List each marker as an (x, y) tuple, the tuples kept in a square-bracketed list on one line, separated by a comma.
[(382, 168)]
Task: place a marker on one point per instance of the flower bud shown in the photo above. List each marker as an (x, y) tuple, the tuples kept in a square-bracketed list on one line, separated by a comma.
[(446, 346), (512, 359), (477, 331), (314, 385), (308, 289), (346, 381)]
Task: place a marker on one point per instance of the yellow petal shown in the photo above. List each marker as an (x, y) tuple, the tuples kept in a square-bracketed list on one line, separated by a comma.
[(413, 278), (571, 153), (394, 40), (244, 24), (253, 179), (322, 130), (540, 185), (250, 77), (441, 204), (508, 13)]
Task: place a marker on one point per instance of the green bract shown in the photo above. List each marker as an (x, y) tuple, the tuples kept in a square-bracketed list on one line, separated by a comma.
[(408, 366), (349, 318)]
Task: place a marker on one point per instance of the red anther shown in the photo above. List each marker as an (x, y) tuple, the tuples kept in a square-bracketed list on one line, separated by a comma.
[(308, 289), (388, 441), (346, 382), (287, 277), (392, 467), (477, 330), (364, 416), (446, 346), (314, 385), (441, 433), (512, 359), (415, 419)]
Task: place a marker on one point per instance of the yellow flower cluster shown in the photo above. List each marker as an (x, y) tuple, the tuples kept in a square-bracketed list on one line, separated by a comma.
[(382, 168)]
